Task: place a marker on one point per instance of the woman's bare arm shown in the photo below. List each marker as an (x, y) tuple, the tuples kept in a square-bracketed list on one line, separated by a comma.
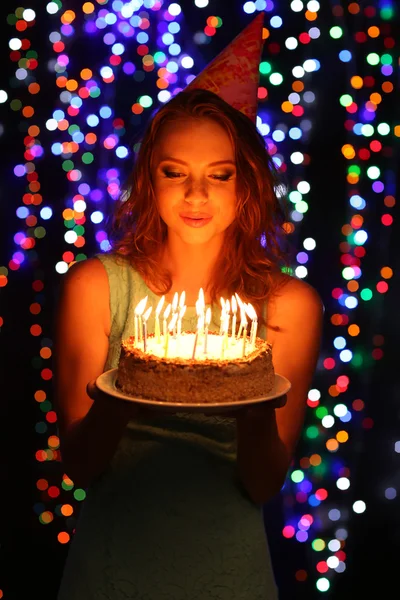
[(267, 437), (89, 431)]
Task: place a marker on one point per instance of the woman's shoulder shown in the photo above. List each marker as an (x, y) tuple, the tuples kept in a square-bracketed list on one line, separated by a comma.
[(288, 288)]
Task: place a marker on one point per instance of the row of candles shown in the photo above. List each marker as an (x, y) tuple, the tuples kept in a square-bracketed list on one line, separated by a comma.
[(175, 312)]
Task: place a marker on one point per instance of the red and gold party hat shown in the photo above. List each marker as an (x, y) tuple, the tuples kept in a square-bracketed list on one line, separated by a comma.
[(234, 73)]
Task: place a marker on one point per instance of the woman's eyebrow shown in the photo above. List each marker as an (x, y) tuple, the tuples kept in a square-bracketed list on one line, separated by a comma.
[(182, 162)]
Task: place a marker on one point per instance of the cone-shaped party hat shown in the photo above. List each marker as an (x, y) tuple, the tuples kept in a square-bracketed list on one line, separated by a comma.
[(234, 73)]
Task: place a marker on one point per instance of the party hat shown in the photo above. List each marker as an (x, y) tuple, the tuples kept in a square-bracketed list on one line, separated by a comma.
[(234, 73)]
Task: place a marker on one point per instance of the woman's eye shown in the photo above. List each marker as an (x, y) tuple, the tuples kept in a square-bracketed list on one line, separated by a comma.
[(172, 174), (223, 177)]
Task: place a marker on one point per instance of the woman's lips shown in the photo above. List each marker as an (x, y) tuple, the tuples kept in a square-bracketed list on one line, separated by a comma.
[(196, 220)]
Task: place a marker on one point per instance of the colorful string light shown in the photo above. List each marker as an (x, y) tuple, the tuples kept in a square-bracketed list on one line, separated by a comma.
[(142, 41)]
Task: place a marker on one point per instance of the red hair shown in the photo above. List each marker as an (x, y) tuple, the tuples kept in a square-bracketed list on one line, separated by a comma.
[(254, 243)]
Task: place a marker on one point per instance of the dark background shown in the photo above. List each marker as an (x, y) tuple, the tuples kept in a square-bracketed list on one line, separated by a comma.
[(31, 557)]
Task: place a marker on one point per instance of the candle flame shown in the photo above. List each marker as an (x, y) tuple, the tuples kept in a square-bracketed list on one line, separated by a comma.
[(201, 297), (175, 302), (141, 306), (227, 307), (159, 306), (251, 312), (223, 304), (167, 311), (234, 305), (182, 300), (208, 316), (182, 312), (147, 314), (240, 302), (173, 322)]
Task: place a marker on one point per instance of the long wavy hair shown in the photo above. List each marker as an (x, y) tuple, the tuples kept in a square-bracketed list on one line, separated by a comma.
[(255, 245)]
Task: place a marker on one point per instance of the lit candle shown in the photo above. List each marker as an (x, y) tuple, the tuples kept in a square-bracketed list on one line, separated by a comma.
[(201, 309), (181, 313), (221, 327), (157, 320), (208, 321), (234, 309), (253, 316), (169, 329), (242, 315), (138, 319), (166, 315), (182, 300), (145, 317), (175, 303), (226, 323), (244, 324)]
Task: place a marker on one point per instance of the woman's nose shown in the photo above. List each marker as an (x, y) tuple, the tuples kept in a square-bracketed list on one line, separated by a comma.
[(196, 192)]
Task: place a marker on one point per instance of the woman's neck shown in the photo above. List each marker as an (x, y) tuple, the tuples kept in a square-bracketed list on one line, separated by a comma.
[(191, 266)]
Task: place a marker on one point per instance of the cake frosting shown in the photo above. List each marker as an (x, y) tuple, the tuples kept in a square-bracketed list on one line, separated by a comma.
[(219, 372)]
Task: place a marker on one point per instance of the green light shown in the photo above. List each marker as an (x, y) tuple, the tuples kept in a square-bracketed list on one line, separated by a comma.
[(367, 130), (87, 158), (321, 412), (67, 165), (69, 223), (219, 22), (346, 100), (31, 54), (373, 172), (312, 432), (159, 57), (366, 294), (80, 257), (79, 229), (383, 128), (46, 406), (265, 68), (73, 128), (16, 104), (336, 32), (95, 92), (357, 360), (145, 101), (386, 13), (295, 197), (386, 59), (297, 476), (41, 427), (322, 584), (66, 486), (11, 19), (302, 206), (79, 494), (373, 58), (318, 545), (276, 78), (354, 169), (39, 232)]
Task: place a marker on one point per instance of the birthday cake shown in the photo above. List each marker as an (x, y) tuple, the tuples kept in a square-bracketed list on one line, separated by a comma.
[(215, 370)]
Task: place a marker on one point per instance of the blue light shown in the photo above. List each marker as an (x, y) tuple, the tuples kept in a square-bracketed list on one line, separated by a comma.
[(172, 66), (167, 39), (142, 37), (76, 102), (121, 152), (351, 302), (357, 202), (345, 56), (339, 343), (96, 216), (357, 129), (302, 258), (78, 137), (278, 136), (118, 49), (110, 18), (92, 120), (360, 237), (295, 133), (22, 212), (175, 49), (346, 355), (58, 115), (174, 27), (276, 22), (117, 5), (346, 418), (56, 148), (46, 213), (105, 112), (109, 39), (249, 7), (313, 500), (106, 72)]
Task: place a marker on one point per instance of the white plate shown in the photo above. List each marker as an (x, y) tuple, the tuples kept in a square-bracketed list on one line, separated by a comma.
[(106, 384)]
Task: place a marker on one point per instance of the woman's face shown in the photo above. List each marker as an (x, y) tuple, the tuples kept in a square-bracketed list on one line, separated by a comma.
[(194, 177)]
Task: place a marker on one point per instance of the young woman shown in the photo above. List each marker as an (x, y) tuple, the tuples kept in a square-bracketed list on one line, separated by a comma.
[(174, 502)]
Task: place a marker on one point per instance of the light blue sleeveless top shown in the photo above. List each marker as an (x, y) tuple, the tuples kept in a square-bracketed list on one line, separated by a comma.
[(168, 519)]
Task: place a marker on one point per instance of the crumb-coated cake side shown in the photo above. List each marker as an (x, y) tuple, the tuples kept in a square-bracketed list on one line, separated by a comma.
[(207, 379)]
